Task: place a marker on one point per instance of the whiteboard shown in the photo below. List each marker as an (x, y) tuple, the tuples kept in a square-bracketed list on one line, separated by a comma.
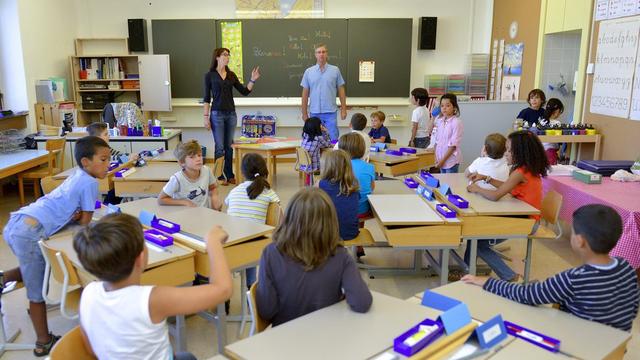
[(615, 67)]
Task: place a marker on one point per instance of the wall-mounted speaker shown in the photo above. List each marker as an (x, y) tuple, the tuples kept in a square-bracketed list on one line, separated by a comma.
[(427, 33), (137, 34)]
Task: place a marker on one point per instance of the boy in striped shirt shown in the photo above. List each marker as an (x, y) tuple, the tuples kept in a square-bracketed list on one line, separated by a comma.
[(603, 289)]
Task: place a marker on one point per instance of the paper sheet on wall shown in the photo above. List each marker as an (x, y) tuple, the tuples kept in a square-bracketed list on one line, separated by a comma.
[(614, 67), (366, 71), (616, 9), (629, 7), (601, 10), (232, 40), (510, 88)]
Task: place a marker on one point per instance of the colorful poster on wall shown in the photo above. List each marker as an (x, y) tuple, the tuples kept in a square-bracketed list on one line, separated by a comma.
[(614, 67), (510, 88), (512, 64), (232, 40)]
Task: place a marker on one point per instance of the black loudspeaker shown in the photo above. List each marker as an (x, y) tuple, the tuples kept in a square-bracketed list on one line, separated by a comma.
[(137, 34), (427, 33)]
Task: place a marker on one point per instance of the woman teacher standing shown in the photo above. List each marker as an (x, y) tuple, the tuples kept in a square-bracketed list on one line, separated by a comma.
[(219, 108)]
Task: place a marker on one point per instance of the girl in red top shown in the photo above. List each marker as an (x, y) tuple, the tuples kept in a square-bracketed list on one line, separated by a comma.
[(526, 156)]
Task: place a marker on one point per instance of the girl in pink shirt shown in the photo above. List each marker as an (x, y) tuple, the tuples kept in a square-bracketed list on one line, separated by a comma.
[(448, 135)]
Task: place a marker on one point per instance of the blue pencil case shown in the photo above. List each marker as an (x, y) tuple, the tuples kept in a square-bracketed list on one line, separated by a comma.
[(411, 183), (458, 201), (393, 152), (429, 179), (406, 150), (165, 225), (158, 238), (446, 211), (418, 337)]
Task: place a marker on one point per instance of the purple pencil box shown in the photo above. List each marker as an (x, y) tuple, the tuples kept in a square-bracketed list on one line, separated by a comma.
[(120, 172), (411, 183), (446, 211), (414, 340), (408, 150), (393, 152), (113, 165), (536, 338), (429, 179), (158, 238), (165, 225), (458, 201)]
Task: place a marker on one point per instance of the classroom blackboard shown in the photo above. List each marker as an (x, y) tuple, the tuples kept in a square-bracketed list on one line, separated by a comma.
[(190, 44), (284, 48), (388, 43)]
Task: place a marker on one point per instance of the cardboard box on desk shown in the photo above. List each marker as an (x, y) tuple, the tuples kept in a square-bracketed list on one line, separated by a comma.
[(587, 177)]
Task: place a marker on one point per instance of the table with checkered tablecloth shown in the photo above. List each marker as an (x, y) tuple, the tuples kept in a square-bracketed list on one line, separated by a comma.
[(623, 197)]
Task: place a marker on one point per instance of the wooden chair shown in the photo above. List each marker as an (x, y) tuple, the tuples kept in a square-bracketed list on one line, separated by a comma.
[(258, 324), (7, 340), (273, 214), (549, 227), (303, 159), (71, 346), (49, 184), (58, 265), (364, 238), (394, 141), (218, 167), (56, 149)]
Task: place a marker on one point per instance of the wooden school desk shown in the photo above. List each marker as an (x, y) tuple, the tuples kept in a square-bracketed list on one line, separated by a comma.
[(170, 267), (242, 250), (269, 151), (16, 162), (104, 185), (579, 338), (486, 219), (335, 332), (410, 222), (146, 181), (390, 165), (166, 156), (575, 139)]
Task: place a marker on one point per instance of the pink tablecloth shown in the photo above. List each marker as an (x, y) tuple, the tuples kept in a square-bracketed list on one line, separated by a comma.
[(624, 197)]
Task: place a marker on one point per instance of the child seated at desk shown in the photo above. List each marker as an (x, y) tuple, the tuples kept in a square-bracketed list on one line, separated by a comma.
[(603, 289), (535, 112), (379, 133), (338, 181), (554, 109), (526, 157), (314, 138), (305, 268), (194, 185), (491, 161), (250, 200), (121, 318), (73, 201), (357, 125)]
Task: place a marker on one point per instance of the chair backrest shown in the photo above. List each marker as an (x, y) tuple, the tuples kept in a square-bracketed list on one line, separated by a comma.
[(551, 204), (394, 141), (50, 256), (218, 166), (71, 346), (258, 324), (273, 214), (49, 184), (302, 157), (56, 147)]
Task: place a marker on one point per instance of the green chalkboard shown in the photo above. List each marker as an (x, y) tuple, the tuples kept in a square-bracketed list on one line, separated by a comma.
[(190, 44), (388, 43), (284, 48)]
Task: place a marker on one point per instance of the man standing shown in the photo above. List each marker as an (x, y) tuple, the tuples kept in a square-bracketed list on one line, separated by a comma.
[(321, 82)]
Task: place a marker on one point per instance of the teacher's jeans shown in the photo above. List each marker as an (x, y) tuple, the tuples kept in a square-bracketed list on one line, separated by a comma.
[(330, 121), (223, 126)]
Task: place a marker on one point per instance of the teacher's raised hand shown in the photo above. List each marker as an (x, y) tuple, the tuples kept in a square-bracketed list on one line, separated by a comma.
[(255, 73)]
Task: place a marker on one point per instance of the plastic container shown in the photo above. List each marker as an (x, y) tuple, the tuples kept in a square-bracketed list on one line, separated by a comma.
[(411, 183), (165, 225), (158, 238), (394, 152), (408, 150), (445, 211), (458, 201), (403, 346)]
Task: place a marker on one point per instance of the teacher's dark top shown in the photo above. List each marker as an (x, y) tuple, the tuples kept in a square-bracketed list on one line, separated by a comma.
[(222, 90)]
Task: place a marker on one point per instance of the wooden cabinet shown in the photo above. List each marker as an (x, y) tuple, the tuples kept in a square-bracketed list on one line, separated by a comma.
[(566, 15)]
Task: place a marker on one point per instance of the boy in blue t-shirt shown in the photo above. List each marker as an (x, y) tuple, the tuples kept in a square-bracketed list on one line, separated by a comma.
[(379, 133), (73, 201), (535, 112)]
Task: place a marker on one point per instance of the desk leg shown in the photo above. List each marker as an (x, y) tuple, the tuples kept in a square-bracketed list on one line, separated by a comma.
[(527, 262), (274, 173), (270, 166), (444, 266), (596, 150), (238, 165), (243, 302), (473, 256), (221, 326), (181, 339)]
